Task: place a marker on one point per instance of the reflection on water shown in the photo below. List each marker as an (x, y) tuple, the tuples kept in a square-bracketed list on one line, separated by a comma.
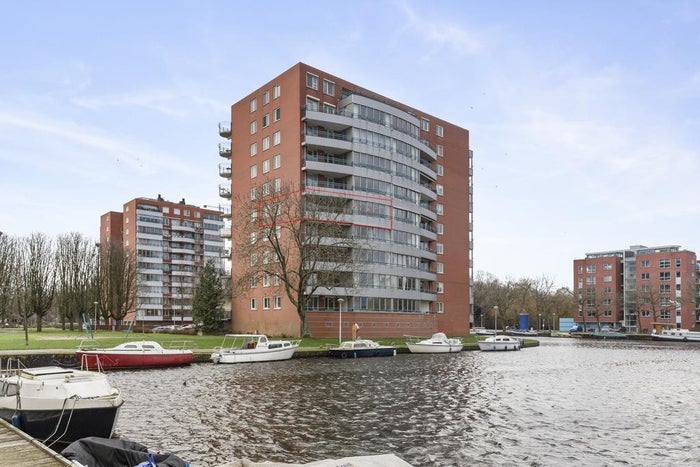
[(566, 402)]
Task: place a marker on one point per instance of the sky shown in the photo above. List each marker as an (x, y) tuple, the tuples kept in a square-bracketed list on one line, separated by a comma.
[(584, 117)]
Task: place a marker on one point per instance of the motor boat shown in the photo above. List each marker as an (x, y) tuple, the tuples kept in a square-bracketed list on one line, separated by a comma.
[(522, 332), (361, 348), (438, 343), (484, 332), (683, 335), (245, 348), (137, 354), (59, 405), (500, 342)]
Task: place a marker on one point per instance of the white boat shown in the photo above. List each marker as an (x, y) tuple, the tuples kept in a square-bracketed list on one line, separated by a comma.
[(500, 342), (438, 343), (362, 348), (246, 348), (59, 405), (683, 335), (484, 332)]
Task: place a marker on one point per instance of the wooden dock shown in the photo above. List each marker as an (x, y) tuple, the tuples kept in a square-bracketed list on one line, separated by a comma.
[(18, 449)]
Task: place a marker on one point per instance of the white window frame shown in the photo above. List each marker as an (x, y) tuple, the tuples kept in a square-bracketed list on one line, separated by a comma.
[(266, 143), (253, 127), (277, 161), (328, 87), (276, 138), (253, 303), (276, 115), (266, 97), (253, 149), (266, 166), (278, 302), (253, 105), (253, 171), (439, 130), (276, 91), (312, 81)]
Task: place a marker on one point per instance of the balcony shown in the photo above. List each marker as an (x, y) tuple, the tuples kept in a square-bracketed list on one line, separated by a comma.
[(225, 170), (225, 129), (225, 150), (225, 232), (225, 191), (226, 253)]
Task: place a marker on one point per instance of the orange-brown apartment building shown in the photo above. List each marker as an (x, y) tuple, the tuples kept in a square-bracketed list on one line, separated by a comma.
[(641, 288), (309, 129), (172, 242)]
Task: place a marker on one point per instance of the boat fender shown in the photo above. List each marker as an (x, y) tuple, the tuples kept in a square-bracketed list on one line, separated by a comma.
[(354, 355), (394, 352), (685, 339), (17, 421), (343, 355)]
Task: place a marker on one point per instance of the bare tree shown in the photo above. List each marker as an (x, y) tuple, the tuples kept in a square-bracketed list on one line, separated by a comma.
[(8, 268), (76, 261), (299, 239), (36, 284), (117, 281)]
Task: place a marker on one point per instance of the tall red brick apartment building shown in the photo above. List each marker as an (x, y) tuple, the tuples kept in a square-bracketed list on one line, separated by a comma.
[(309, 129), (642, 288)]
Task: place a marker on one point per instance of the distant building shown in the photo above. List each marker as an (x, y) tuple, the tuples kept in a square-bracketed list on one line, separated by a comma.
[(407, 179), (641, 288), (173, 242)]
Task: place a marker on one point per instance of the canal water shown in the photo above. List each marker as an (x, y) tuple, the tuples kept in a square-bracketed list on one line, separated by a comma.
[(566, 402)]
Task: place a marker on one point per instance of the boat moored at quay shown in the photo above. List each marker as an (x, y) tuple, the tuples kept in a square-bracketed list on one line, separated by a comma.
[(679, 335), (248, 348)]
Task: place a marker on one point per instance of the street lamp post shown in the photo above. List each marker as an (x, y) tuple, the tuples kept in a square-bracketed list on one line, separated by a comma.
[(95, 322), (539, 321), (340, 320), (495, 318)]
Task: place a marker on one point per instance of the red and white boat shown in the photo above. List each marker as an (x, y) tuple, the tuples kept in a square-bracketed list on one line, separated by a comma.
[(137, 354)]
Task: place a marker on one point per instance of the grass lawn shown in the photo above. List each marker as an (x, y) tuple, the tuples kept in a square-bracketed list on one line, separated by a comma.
[(54, 338)]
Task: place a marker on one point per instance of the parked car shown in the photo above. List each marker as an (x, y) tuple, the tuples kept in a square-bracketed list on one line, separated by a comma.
[(576, 329)]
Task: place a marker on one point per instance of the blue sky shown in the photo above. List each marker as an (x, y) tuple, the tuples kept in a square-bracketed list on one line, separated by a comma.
[(584, 117)]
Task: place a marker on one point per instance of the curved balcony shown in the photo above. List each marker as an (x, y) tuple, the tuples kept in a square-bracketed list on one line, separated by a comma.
[(225, 191), (225, 150), (225, 129), (225, 232), (225, 170)]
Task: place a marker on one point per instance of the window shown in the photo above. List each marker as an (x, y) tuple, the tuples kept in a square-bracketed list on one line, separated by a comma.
[(678, 274), (580, 269), (439, 169), (438, 130), (664, 263), (266, 166), (276, 138), (590, 280), (439, 208), (254, 193), (328, 108), (440, 287), (276, 161), (590, 268), (425, 124), (678, 262), (644, 263), (253, 240), (276, 115), (266, 280), (266, 97), (253, 282), (607, 266), (253, 149), (276, 91), (328, 87), (439, 150), (266, 143), (607, 290), (266, 189), (607, 279), (665, 288), (253, 127), (645, 276), (311, 81), (278, 185), (440, 229), (439, 248), (253, 171), (312, 104), (266, 120), (439, 189), (664, 276), (253, 105), (253, 304), (440, 307), (278, 302), (440, 268)]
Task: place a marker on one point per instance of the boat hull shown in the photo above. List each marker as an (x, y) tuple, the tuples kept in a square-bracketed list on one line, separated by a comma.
[(434, 348), (72, 425), (113, 360), (252, 355), (362, 353), (677, 336)]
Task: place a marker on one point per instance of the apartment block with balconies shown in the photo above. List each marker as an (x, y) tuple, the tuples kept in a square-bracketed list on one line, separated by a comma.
[(406, 179)]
